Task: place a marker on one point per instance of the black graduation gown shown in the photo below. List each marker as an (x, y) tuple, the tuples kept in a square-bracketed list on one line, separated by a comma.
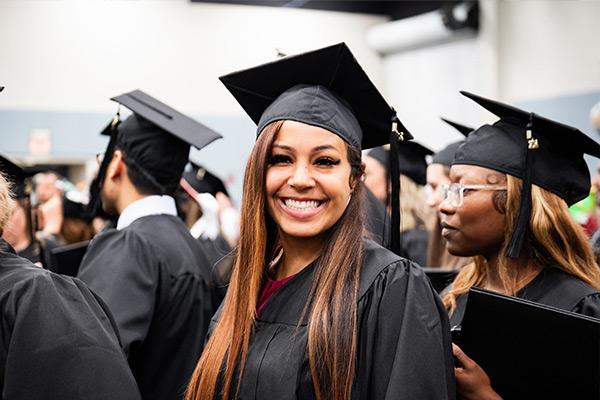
[(214, 249), (57, 340), (552, 287), (377, 221), (156, 281), (403, 343)]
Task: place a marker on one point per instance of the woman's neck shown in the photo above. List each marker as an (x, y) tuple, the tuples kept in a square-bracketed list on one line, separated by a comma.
[(298, 253), (526, 272)]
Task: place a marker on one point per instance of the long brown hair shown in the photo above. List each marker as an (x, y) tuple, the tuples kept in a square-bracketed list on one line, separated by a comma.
[(332, 320), (554, 238)]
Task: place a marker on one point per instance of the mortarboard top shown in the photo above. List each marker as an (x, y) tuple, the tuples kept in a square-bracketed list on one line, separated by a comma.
[(17, 176), (325, 87), (446, 155), (463, 129), (202, 180), (411, 158), (533, 148), (168, 119), (156, 140)]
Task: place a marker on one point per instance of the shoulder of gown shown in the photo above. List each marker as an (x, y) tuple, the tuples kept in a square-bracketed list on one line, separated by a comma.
[(404, 344), (58, 339)]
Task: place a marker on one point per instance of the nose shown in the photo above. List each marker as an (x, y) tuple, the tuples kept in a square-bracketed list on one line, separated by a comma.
[(301, 177), (446, 208)]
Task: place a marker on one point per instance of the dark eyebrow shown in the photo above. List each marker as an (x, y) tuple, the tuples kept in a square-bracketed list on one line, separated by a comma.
[(323, 147), (314, 150), (282, 146)]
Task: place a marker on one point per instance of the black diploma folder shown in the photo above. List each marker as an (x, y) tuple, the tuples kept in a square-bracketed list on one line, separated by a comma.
[(67, 259), (532, 351)]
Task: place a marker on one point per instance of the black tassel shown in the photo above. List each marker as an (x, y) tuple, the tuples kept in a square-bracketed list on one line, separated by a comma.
[(522, 224), (396, 137)]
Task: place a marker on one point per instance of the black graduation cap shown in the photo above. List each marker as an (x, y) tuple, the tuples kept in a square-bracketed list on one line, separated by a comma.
[(1, 88), (446, 155), (533, 148), (155, 139), (326, 88), (17, 176), (75, 209), (411, 160), (202, 180)]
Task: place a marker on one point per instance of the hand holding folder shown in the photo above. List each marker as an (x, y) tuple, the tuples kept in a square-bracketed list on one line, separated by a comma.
[(530, 350)]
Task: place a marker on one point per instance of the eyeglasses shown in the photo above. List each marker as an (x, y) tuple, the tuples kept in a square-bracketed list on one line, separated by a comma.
[(454, 193)]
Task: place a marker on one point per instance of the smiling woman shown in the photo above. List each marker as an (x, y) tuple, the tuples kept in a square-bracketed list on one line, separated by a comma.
[(314, 310)]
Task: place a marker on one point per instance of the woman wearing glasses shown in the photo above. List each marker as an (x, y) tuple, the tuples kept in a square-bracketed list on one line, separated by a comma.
[(507, 207)]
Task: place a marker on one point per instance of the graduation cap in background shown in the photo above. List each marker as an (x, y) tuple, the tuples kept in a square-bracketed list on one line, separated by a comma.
[(446, 155), (18, 176), (535, 149), (155, 140), (202, 180), (412, 160), (326, 88)]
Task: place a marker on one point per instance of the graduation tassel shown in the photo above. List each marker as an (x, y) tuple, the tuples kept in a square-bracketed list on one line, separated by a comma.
[(398, 134), (522, 224)]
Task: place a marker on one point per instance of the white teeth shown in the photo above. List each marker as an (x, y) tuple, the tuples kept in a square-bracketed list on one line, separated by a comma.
[(301, 205)]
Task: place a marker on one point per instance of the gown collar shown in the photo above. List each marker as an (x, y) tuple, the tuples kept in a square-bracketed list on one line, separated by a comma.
[(150, 205)]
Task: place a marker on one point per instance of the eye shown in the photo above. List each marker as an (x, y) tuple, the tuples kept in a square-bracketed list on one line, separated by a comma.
[(466, 191), (279, 159), (326, 161)]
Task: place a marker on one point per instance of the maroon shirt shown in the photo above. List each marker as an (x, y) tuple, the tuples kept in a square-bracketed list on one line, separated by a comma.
[(271, 287)]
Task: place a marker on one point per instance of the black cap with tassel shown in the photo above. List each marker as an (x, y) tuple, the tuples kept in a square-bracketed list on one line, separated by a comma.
[(535, 149)]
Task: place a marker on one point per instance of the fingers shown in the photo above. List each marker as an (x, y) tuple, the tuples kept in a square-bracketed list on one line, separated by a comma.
[(462, 358)]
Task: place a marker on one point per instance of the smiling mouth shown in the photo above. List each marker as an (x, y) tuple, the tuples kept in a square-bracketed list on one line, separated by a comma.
[(302, 205)]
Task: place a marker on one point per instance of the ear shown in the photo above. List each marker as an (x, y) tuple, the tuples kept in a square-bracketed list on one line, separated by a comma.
[(116, 167), (353, 180)]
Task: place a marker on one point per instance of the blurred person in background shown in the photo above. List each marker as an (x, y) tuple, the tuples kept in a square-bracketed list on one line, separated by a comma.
[(438, 175), (416, 217)]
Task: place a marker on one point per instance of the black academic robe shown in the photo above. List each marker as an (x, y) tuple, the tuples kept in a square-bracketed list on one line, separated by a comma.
[(57, 340), (552, 287), (378, 220), (156, 281), (214, 249), (403, 337)]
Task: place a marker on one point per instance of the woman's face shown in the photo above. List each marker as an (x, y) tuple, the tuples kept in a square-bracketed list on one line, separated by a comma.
[(437, 175), (375, 178), (478, 226), (308, 180)]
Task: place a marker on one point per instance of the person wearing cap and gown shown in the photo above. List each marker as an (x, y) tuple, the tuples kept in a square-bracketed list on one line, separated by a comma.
[(18, 230), (415, 215), (205, 215), (149, 270), (507, 207), (438, 174), (59, 340), (314, 309)]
